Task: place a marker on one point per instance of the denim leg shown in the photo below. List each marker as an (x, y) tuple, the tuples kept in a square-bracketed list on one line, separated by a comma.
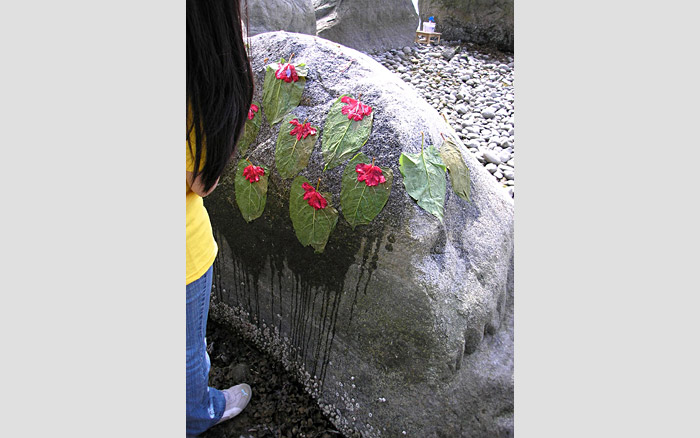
[(205, 405)]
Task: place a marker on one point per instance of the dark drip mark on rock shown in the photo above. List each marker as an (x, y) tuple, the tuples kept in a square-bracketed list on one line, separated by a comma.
[(272, 297), (322, 328), (245, 289), (310, 324), (370, 248), (279, 289), (254, 285), (365, 255), (373, 264), (307, 301), (334, 319), (324, 335), (296, 309)]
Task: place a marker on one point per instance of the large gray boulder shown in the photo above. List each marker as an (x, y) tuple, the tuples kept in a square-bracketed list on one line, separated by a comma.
[(272, 15), (402, 325), (485, 22), (367, 25)]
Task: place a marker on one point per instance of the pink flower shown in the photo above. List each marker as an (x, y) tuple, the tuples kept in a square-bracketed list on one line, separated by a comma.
[(370, 174), (313, 197), (253, 173), (355, 109), (287, 72), (301, 129), (251, 112)]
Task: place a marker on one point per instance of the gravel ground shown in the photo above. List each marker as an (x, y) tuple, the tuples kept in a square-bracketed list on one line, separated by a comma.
[(473, 88), (279, 407)]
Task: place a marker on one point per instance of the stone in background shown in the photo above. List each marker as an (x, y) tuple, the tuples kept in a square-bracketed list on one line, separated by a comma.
[(485, 22), (367, 25), (273, 15), (403, 325)]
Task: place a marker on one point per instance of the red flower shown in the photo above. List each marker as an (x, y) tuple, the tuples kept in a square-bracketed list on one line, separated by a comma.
[(370, 174), (302, 130), (287, 72), (313, 197), (253, 173), (251, 112), (355, 109)]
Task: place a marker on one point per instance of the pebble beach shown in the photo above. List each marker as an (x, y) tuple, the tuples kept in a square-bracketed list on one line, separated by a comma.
[(474, 91)]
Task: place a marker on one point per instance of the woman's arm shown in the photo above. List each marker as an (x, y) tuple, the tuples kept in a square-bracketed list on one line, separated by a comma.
[(197, 186)]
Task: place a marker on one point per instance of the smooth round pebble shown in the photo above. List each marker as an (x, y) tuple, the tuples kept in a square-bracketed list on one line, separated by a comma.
[(491, 157)]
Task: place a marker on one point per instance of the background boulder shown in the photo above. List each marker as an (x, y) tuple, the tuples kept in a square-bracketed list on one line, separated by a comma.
[(272, 15), (367, 25), (486, 22), (403, 327)]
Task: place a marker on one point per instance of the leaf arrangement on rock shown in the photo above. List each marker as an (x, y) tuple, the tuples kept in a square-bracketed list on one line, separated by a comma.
[(454, 160), (459, 172), (295, 142), (346, 130), (251, 128), (313, 218), (365, 189), (251, 189), (282, 89), (424, 179)]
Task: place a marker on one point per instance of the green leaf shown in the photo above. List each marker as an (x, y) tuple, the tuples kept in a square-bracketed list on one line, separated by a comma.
[(424, 179), (250, 197), (292, 155), (342, 137), (359, 202), (250, 131), (312, 227), (459, 172), (280, 97)]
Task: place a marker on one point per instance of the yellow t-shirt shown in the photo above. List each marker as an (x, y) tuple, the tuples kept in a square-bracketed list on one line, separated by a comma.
[(201, 247)]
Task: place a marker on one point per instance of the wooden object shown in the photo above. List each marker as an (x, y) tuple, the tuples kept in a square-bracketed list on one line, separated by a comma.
[(427, 37)]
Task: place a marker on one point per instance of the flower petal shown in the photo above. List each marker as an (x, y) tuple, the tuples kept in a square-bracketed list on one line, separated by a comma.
[(253, 173), (371, 175)]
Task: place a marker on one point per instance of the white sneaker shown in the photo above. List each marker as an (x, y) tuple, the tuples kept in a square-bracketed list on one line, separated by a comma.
[(237, 398)]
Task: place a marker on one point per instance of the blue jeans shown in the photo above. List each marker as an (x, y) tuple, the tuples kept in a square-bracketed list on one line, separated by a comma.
[(205, 405)]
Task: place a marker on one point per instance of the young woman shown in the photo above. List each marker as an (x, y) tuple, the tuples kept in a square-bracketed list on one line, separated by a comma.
[(219, 93)]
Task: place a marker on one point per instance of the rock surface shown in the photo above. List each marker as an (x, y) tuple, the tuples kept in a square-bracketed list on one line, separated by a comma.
[(402, 327), (365, 24), (272, 15), (487, 22)]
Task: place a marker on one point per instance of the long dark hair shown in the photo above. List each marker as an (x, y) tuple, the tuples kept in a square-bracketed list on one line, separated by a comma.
[(219, 84)]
